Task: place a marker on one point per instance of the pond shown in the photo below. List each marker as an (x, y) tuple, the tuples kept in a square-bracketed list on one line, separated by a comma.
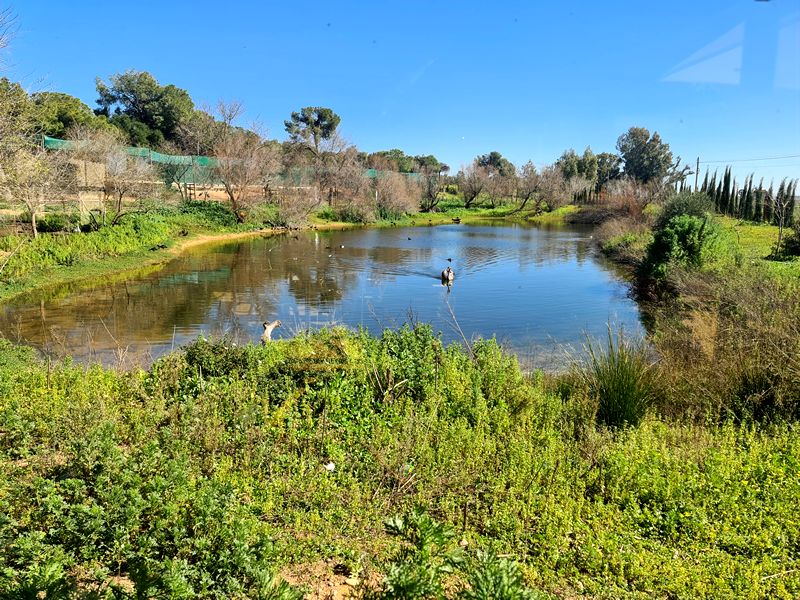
[(540, 291)]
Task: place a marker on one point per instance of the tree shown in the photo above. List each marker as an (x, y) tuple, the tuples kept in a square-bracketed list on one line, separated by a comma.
[(471, 182), (32, 177), (136, 103), (16, 117), (568, 164), (528, 186), (588, 165), (396, 194), (432, 182), (307, 130), (496, 163), (608, 168), (782, 206), (55, 114), (311, 126), (242, 161), (584, 166), (392, 160), (646, 158)]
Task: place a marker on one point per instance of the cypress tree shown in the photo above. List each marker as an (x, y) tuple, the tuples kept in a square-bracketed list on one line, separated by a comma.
[(726, 192), (758, 209), (704, 188), (791, 191), (718, 198), (747, 199), (769, 214)]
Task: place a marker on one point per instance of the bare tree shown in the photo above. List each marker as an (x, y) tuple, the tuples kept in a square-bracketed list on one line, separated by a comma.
[(783, 204), (128, 181), (396, 194), (528, 187), (499, 188), (7, 27), (432, 182), (238, 166), (339, 171), (33, 177), (471, 181), (128, 177), (629, 196)]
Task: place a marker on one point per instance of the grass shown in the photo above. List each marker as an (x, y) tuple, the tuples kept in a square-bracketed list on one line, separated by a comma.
[(621, 379), (204, 477), (145, 239)]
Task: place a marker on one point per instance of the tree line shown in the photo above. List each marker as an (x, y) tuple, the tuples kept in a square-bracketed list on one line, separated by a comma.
[(315, 166)]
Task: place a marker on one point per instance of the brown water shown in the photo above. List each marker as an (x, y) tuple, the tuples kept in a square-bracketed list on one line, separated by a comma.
[(540, 291)]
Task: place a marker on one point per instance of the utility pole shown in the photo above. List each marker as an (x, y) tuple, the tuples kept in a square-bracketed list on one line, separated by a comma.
[(696, 173)]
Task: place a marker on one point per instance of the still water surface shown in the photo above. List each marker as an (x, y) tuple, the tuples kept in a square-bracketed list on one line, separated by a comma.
[(539, 291)]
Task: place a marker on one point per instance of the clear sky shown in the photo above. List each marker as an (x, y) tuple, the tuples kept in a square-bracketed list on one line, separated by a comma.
[(719, 79)]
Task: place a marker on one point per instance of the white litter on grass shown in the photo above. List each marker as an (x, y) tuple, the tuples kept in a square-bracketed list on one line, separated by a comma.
[(330, 467)]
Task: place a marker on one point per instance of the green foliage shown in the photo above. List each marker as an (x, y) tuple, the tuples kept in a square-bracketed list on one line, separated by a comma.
[(57, 113), (646, 157), (209, 214), (134, 233), (496, 163), (426, 557), (693, 204), (493, 578), (621, 379), (55, 222), (143, 109), (312, 125), (684, 240), (608, 168), (203, 477)]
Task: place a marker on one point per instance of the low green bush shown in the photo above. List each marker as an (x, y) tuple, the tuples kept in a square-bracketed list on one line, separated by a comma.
[(684, 240)]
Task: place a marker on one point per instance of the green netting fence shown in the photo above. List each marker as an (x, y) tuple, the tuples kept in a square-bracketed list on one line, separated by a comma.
[(187, 169)]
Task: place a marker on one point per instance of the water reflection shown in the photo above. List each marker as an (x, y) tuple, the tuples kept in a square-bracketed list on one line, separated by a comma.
[(535, 289)]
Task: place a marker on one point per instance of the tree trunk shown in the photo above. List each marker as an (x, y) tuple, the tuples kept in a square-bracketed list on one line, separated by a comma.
[(33, 224)]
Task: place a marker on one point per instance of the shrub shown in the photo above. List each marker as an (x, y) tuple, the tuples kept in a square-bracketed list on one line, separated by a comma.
[(213, 213), (693, 204), (684, 240), (621, 379), (55, 222)]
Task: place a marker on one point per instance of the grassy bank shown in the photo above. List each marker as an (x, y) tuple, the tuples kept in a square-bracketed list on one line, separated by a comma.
[(205, 476), (138, 240)]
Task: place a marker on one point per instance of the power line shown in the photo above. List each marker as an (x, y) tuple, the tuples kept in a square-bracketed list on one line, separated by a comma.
[(751, 159)]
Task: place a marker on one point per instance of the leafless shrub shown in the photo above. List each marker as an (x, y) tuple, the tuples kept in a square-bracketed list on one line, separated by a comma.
[(628, 197), (396, 194)]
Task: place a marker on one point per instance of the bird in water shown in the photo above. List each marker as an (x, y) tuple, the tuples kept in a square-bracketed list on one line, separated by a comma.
[(448, 274), (268, 328)]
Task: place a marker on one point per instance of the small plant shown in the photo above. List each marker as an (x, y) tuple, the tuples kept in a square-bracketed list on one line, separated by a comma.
[(494, 578), (426, 557), (622, 380)]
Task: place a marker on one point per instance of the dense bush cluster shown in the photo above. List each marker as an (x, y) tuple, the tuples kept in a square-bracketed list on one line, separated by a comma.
[(206, 476), (684, 235)]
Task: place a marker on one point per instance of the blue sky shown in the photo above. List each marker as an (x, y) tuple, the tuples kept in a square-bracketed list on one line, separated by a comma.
[(719, 79)]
